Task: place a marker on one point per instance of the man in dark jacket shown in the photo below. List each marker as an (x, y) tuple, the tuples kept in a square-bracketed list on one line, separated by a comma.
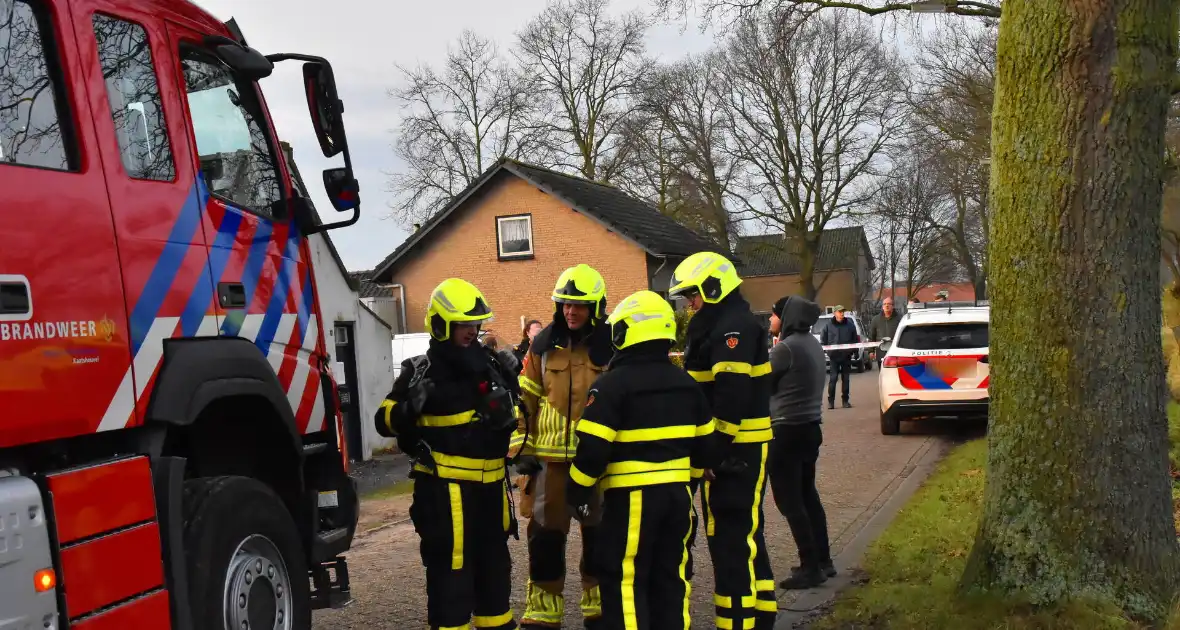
[(840, 330), (885, 323), (797, 389)]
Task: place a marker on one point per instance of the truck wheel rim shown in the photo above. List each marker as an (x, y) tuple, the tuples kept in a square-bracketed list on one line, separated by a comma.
[(257, 587)]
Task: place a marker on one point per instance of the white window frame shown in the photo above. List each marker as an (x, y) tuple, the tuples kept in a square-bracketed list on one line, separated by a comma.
[(828, 310), (500, 236)]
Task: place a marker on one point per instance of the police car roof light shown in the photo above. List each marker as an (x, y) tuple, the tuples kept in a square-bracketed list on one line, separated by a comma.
[(949, 305)]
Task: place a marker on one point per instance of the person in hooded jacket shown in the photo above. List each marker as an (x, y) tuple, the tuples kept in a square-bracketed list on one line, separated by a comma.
[(562, 363), (796, 410), (727, 354), (452, 411)]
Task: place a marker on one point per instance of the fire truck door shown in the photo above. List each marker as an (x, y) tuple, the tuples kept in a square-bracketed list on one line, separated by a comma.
[(156, 197), (262, 273), (63, 334)]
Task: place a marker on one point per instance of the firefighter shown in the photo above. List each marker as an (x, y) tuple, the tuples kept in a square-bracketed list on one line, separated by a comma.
[(561, 364), (452, 411), (726, 352), (645, 427)]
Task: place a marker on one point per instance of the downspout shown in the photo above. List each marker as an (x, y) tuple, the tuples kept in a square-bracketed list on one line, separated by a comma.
[(663, 261), (401, 304)]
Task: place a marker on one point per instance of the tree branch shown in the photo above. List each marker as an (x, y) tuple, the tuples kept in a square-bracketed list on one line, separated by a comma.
[(953, 7)]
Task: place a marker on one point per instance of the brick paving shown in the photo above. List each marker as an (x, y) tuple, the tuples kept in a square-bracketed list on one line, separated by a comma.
[(858, 468)]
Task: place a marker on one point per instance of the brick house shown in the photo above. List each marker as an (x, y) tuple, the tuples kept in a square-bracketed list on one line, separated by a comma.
[(516, 228), (843, 269)]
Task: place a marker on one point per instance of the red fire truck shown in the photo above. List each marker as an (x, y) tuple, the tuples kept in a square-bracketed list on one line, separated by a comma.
[(171, 450)]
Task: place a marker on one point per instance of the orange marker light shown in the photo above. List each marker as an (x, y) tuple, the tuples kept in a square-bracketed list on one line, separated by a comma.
[(44, 580)]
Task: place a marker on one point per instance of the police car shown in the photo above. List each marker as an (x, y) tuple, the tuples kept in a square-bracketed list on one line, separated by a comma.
[(936, 365)]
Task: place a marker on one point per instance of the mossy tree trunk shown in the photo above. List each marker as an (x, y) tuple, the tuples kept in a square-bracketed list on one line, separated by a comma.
[(1077, 501)]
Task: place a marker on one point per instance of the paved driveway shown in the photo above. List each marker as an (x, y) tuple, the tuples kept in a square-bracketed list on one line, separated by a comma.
[(858, 469)]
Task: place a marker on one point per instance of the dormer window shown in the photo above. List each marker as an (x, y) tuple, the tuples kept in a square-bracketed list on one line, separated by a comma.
[(514, 236)]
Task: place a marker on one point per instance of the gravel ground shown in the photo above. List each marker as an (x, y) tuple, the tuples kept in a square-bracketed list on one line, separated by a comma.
[(858, 469)]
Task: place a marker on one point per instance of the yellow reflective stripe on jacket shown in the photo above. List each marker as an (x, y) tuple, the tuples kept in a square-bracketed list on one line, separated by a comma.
[(387, 406), (696, 473), (550, 440), (706, 429), (701, 376), (646, 479), (754, 431), (464, 468), (590, 427), (659, 433), (452, 420), (750, 431), (727, 428), (581, 478), (529, 385), (637, 435), (633, 474), (738, 367)]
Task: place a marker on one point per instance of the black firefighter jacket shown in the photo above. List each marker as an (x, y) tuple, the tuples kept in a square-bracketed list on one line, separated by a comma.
[(464, 444), (726, 353), (645, 423)]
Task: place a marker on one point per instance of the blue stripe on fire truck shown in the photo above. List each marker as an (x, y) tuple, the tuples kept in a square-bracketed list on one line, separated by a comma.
[(255, 263), (180, 240), (223, 243)]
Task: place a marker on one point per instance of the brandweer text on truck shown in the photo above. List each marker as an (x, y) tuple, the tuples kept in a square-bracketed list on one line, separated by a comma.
[(171, 448)]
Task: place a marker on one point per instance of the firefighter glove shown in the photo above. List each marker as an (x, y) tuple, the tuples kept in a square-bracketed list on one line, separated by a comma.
[(417, 397), (732, 465), (528, 465)]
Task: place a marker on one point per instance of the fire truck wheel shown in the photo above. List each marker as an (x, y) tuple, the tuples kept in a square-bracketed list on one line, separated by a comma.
[(246, 567)]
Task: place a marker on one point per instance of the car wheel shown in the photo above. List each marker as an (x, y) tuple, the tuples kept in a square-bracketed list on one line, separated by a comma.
[(890, 425), (246, 566), (860, 367), (869, 365)]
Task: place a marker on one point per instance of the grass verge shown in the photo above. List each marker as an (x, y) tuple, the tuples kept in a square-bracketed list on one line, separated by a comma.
[(398, 489), (915, 566)]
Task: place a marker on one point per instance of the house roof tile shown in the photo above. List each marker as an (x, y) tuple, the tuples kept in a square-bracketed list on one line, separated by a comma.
[(772, 254), (633, 218)]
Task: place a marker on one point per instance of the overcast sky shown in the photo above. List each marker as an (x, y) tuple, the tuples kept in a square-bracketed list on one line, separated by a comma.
[(363, 40)]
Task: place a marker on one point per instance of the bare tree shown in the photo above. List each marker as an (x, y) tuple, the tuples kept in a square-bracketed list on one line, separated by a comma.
[(653, 162), (727, 8), (1075, 185), (688, 99), (914, 250), (951, 103), (816, 102), (458, 120), (587, 65)]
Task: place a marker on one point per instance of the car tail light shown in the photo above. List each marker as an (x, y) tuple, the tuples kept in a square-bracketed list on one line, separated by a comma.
[(983, 359), (896, 362)]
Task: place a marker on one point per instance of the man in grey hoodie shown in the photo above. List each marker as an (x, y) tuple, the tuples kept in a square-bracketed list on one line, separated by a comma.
[(796, 402)]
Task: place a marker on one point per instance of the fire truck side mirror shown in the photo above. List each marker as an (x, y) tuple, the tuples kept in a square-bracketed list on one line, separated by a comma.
[(343, 189), (243, 60), (325, 106)]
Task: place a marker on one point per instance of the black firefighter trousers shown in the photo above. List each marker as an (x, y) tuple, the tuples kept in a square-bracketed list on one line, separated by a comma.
[(642, 561), (734, 526), (463, 527)]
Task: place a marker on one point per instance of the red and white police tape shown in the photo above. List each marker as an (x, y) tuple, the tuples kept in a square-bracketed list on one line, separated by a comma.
[(838, 346)]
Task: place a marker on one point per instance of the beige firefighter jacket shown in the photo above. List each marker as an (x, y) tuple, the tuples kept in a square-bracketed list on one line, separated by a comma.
[(554, 388)]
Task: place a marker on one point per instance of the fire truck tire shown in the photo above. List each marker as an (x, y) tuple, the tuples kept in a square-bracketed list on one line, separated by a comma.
[(246, 566)]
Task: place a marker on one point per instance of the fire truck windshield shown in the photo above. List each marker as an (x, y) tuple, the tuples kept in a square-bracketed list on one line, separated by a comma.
[(236, 158)]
